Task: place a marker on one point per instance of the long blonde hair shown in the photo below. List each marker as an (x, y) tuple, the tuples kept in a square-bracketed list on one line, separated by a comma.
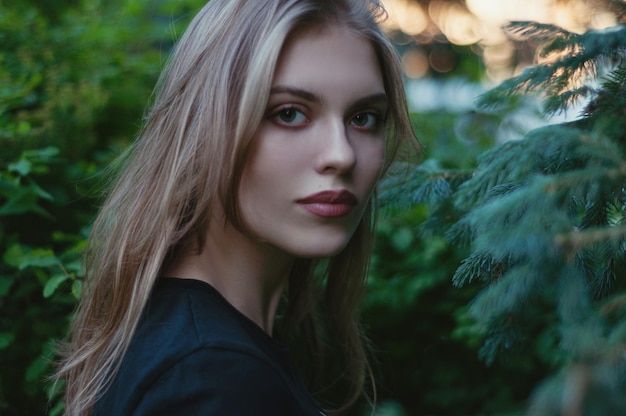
[(188, 157)]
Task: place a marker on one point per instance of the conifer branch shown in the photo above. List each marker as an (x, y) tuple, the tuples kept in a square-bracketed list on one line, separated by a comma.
[(545, 217), (567, 62), (577, 239)]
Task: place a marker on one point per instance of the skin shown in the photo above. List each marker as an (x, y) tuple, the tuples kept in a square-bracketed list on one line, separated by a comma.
[(323, 130)]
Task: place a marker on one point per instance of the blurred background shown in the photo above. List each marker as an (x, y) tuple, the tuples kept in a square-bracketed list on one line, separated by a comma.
[(75, 78)]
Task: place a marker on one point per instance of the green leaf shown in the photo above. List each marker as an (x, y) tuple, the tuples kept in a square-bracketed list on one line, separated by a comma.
[(57, 410), (21, 167), (53, 284), (77, 288), (74, 266), (37, 369), (14, 255), (41, 158), (47, 153), (22, 257), (23, 127), (40, 191), (25, 200), (55, 390), (6, 339), (39, 258), (22, 201), (402, 239), (5, 285)]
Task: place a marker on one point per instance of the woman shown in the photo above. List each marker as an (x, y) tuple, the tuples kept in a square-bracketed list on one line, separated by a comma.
[(248, 191)]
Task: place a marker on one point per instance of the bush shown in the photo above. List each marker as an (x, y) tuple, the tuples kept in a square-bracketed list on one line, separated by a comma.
[(74, 79)]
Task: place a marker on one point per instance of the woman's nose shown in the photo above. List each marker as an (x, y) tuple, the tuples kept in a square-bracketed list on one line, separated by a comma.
[(336, 153)]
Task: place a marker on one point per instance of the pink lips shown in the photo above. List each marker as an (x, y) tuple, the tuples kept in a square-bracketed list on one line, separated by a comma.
[(330, 204)]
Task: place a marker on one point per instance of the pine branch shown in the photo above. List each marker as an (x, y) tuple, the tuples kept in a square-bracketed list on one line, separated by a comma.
[(611, 97), (577, 239), (597, 213), (552, 38), (618, 7), (426, 184), (567, 62), (604, 284), (545, 216), (515, 163), (545, 151), (529, 30), (479, 266), (508, 294), (561, 101)]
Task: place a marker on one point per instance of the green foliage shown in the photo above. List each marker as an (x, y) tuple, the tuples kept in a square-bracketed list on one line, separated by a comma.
[(74, 80), (538, 222), (543, 218), (426, 341), (568, 60), (29, 273)]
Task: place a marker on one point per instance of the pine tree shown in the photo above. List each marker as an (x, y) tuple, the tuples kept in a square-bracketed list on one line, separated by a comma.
[(544, 220)]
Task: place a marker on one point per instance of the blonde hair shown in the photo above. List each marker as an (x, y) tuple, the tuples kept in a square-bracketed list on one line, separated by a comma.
[(189, 157)]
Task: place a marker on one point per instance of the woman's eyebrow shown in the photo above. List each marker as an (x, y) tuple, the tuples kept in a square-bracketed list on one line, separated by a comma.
[(373, 99), (376, 98), (298, 92)]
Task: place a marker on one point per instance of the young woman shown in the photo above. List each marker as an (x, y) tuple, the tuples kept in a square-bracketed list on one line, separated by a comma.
[(249, 191)]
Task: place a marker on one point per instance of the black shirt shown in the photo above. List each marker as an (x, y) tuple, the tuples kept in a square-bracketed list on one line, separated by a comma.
[(194, 354)]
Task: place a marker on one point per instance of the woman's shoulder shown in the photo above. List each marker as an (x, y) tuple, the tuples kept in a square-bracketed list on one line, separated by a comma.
[(211, 382), (184, 315), (191, 343)]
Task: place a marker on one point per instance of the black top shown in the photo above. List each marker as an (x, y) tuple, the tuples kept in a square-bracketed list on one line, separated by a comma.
[(195, 354)]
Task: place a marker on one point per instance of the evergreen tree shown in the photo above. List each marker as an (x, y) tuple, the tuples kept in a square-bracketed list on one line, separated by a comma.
[(543, 218)]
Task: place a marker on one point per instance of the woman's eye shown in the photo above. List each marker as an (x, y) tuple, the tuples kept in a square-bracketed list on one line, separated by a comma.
[(365, 121), (290, 116)]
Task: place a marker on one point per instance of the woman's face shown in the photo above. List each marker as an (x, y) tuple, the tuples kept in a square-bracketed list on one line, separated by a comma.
[(318, 153)]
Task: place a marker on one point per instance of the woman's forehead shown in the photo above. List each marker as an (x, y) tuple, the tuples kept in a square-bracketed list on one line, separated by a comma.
[(329, 58)]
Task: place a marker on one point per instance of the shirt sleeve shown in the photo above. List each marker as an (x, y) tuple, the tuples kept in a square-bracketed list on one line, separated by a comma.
[(218, 382)]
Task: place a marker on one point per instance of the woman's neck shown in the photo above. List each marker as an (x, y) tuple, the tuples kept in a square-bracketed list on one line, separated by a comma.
[(249, 274)]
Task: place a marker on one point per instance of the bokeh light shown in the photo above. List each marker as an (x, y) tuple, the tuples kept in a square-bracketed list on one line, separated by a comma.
[(479, 23)]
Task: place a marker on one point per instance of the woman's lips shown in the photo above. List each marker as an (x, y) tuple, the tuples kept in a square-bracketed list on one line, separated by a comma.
[(330, 204)]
